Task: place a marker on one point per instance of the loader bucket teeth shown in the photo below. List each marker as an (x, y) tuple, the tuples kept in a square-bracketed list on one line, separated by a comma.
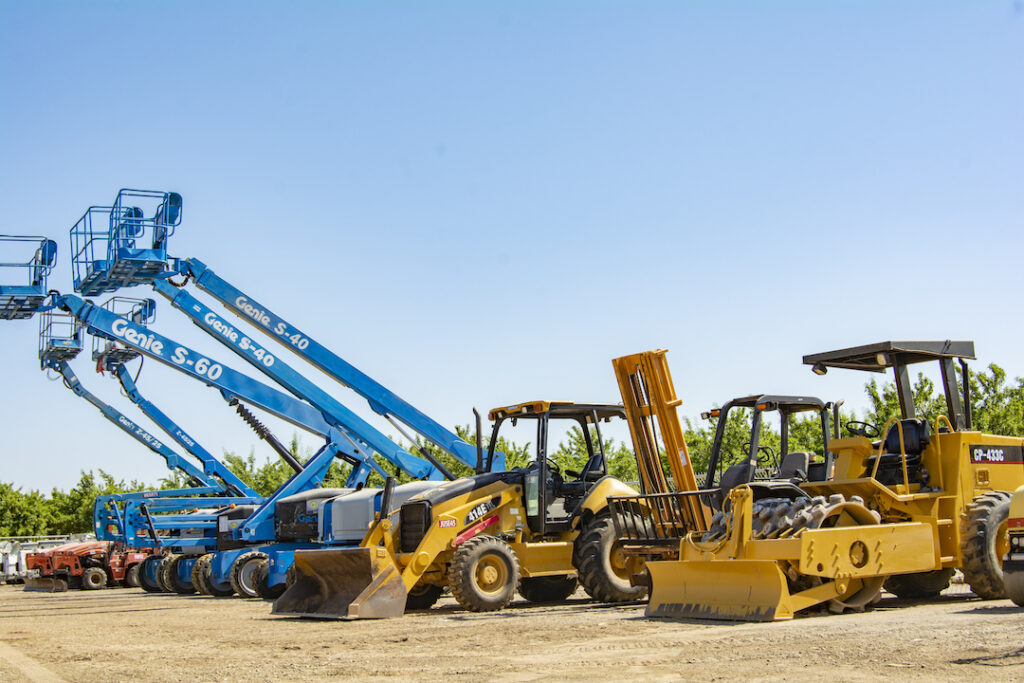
[(46, 585), (351, 583), (740, 590)]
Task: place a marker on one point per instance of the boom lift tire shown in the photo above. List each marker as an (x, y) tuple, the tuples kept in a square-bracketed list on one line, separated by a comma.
[(145, 582), (243, 573), (423, 596), (201, 570), (923, 585), (1014, 582), (198, 579), (483, 574), (94, 578), (171, 578), (164, 588), (262, 580), (547, 588), (131, 577), (985, 542), (601, 565)]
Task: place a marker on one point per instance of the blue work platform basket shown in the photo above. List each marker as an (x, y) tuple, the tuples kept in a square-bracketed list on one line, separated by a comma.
[(107, 351), (60, 338), (21, 301), (125, 244)]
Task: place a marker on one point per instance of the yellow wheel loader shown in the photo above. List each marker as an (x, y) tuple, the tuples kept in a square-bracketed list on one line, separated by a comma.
[(534, 530), (902, 506)]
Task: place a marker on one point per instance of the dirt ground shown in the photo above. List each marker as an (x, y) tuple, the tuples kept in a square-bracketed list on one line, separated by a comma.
[(127, 634)]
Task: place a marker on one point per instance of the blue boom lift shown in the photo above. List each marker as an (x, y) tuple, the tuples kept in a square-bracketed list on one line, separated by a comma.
[(223, 567), (128, 264), (151, 228), (139, 513), (60, 341)]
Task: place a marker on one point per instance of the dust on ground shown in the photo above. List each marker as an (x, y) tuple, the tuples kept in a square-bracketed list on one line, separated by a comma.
[(127, 634)]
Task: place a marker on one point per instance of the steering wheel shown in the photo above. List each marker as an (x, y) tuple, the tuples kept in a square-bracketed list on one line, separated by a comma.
[(770, 452), (865, 429)]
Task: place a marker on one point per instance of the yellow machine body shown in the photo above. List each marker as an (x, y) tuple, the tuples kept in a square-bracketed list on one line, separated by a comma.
[(963, 465), (375, 579), (937, 504), (921, 531)]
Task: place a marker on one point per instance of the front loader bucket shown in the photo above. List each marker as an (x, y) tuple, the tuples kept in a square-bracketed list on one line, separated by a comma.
[(350, 583), (46, 584), (734, 590)]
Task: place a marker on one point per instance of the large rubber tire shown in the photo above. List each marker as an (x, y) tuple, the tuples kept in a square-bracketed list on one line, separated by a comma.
[(547, 588), (923, 585), (172, 579), (600, 564), (144, 581), (94, 578), (164, 588), (984, 541), (198, 577), (1014, 582), (263, 587), (483, 574), (423, 596), (243, 573), (131, 577), (202, 570)]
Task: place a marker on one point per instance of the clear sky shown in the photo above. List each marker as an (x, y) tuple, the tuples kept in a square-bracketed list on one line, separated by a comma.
[(484, 203)]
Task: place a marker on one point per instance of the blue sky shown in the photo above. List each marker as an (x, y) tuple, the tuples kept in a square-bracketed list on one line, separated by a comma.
[(483, 203)]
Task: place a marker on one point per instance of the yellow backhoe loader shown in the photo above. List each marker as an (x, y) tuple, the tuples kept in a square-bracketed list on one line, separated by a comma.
[(904, 511), (536, 530)]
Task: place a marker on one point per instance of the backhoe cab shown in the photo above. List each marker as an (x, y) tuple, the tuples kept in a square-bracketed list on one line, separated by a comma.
[(537, 530)]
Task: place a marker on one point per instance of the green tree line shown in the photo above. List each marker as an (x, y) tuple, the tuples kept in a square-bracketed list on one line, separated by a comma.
[(997, 408)]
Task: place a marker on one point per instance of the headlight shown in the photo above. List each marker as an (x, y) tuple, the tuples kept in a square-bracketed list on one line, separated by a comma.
[(1015, 541)]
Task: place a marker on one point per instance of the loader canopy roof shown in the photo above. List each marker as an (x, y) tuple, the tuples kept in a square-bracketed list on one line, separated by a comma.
[(787, 404), (898, 355), (604, 411), (882, 355)]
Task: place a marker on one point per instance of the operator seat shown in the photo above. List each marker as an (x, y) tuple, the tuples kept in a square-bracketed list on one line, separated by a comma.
[(795, 465), (917, 436)]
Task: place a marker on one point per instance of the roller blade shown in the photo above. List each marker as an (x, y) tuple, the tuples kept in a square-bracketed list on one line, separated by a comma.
[(39, 584), (736, 590), (350, 583)]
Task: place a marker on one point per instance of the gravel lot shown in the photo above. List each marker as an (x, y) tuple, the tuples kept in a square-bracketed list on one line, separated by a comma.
[(126, 634)]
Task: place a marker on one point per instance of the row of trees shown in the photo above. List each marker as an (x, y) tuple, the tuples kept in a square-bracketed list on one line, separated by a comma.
[(998, 408)]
